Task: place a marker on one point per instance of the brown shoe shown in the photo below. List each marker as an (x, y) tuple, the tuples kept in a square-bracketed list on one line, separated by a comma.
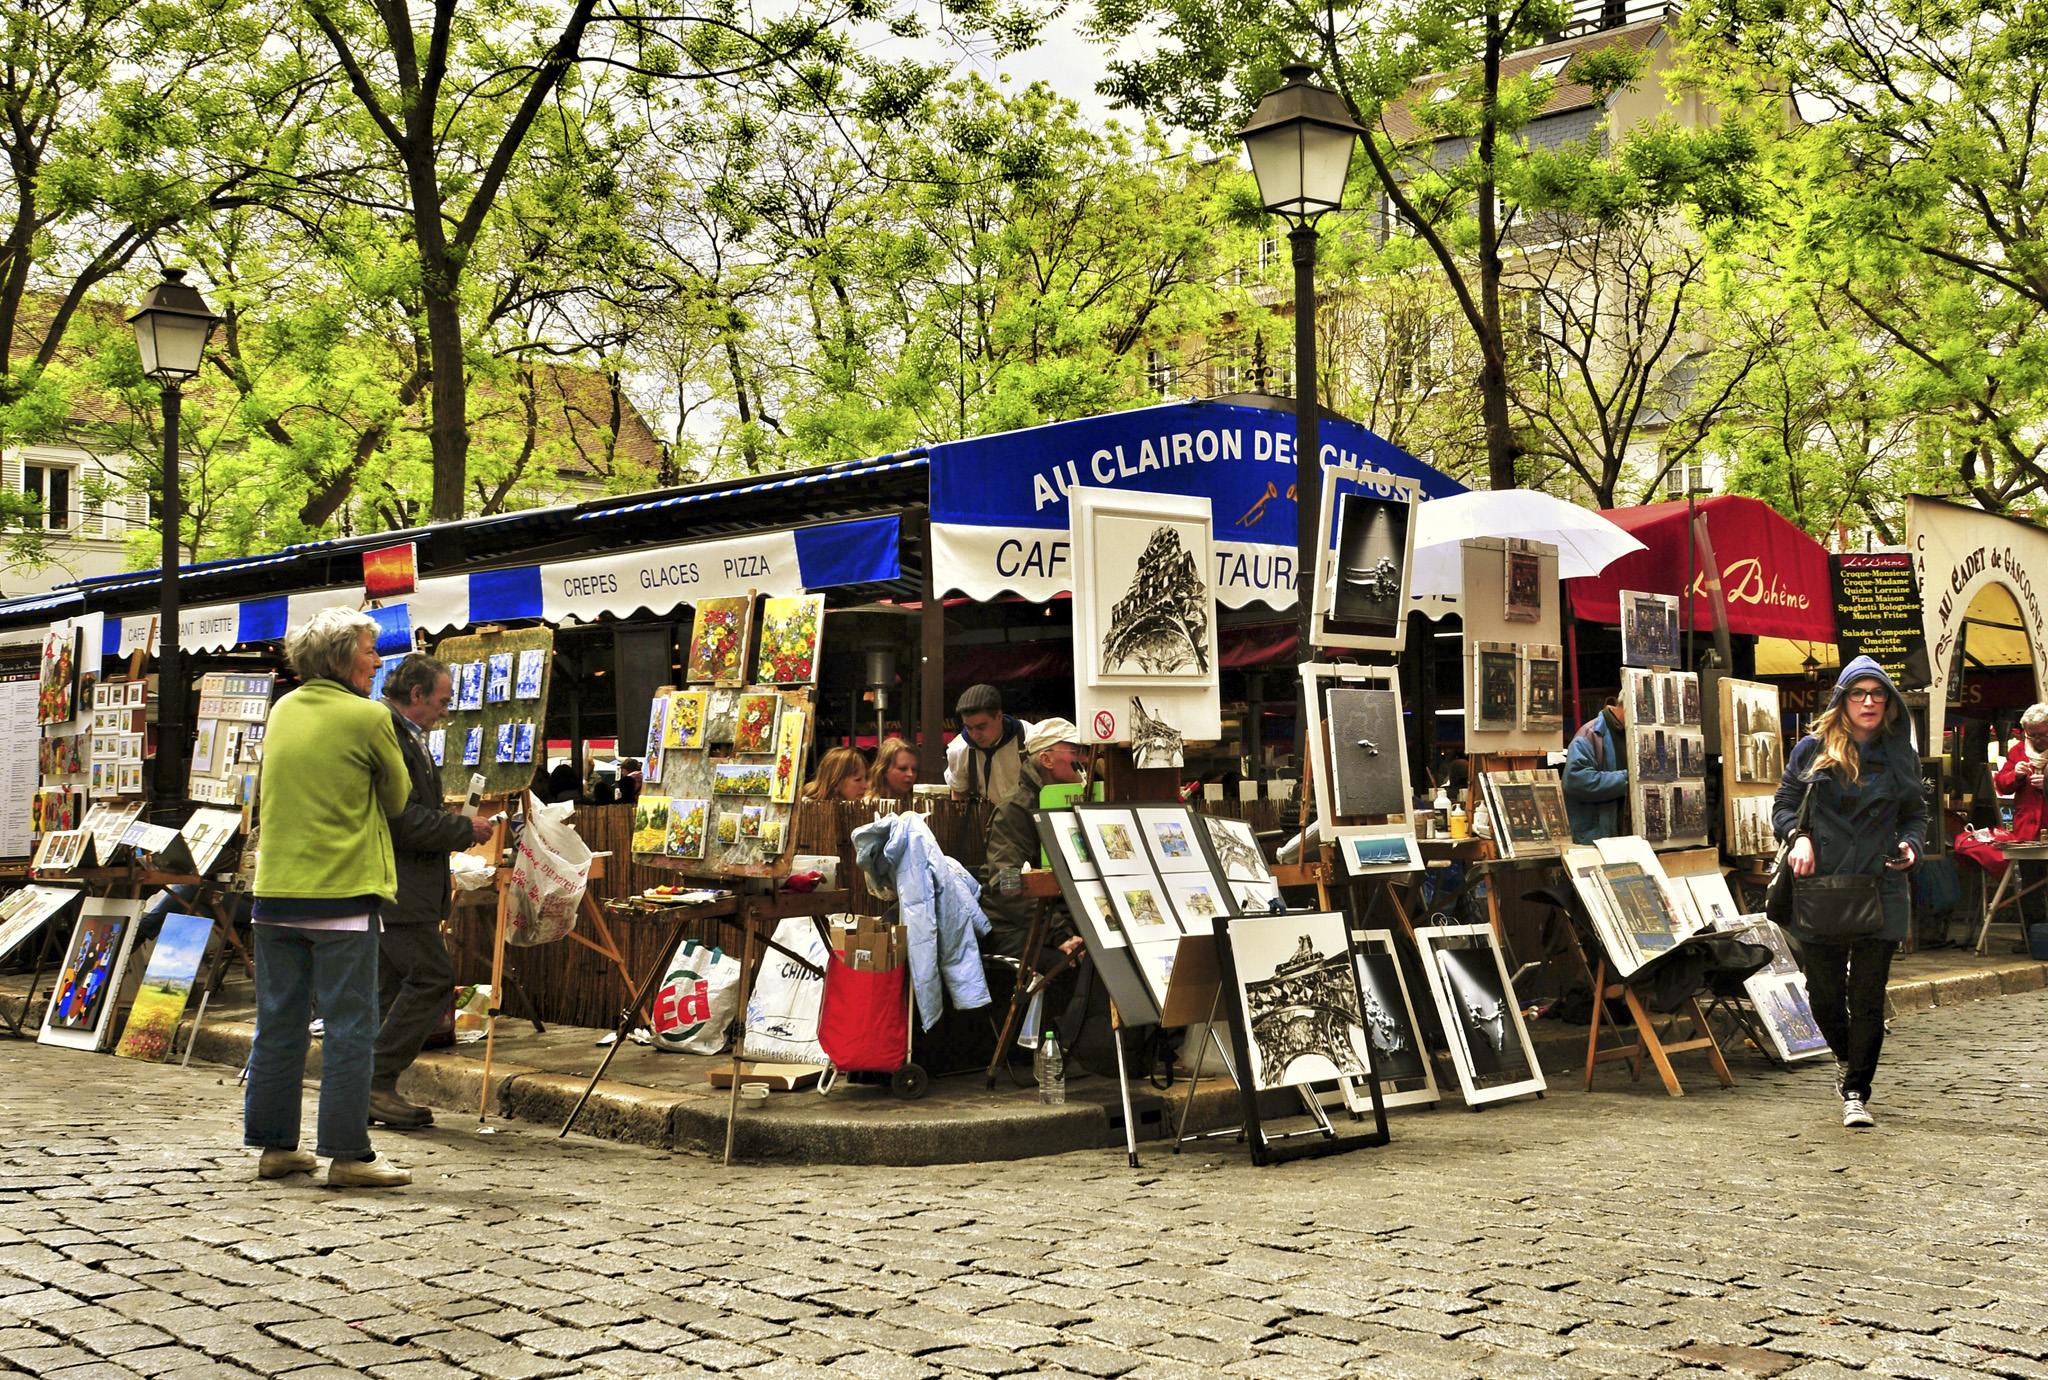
[(395, 1112)]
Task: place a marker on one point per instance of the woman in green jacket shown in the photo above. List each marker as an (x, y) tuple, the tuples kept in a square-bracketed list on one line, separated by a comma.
[(332, 772)]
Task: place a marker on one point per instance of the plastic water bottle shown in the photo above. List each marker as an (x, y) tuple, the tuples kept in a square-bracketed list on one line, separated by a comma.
[(1052, 1070)]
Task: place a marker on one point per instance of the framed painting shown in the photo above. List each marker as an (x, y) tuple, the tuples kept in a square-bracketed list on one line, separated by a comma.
[(1146, 606), (1542, 686), (1496, 687), (81, 1010), (167, 981), (1170, 838), (1476, 1006), (1142, 907), (1236, 849), (1362, 580), (1098, 920), (718, 641), (1407, 1073), (1296, 1020), (791, 632), (1649, 629), (1116, 840), (1070, 843)]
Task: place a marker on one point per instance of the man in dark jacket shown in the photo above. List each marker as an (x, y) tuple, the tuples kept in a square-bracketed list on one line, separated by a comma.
[(1596, 776), (415, 973), (1052, 756)]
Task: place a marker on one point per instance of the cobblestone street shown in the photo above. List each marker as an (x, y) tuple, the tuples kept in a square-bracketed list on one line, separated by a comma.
[(1621, 1233)]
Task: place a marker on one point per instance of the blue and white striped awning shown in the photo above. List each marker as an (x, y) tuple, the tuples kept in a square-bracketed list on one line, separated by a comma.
[(621, 583)]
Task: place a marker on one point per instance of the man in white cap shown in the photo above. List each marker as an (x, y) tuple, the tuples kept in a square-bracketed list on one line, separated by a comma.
[(1053, 755)]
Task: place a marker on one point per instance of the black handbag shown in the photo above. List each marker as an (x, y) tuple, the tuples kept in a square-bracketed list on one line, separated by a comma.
[(1778, 904), (1830, 910)]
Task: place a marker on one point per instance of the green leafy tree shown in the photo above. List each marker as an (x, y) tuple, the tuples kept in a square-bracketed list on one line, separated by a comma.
[(1902, 146), (1446, 144)]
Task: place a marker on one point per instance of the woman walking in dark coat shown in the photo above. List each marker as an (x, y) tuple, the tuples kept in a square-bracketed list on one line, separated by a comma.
[(1869, 815)]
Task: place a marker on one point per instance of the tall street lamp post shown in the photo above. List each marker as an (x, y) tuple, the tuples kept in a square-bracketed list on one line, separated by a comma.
[(171, 330), (1301, 139)]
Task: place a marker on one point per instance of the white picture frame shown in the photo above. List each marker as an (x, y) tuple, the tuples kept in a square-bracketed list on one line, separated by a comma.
[(1280, 960), (1117, 842), (1115, 533), (1481, 1018), (1317, 677), (80, 1014), (1383, 987), (1143, 906), (1236, 847), (1353, 503), (1649, 629), (1172, 839), (1072, 840)]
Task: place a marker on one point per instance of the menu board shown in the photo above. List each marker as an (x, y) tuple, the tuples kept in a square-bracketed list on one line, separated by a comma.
[(1877, 609), (19, 739)]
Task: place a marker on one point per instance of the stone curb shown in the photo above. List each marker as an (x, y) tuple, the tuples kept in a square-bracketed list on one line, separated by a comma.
[(865, 1125)]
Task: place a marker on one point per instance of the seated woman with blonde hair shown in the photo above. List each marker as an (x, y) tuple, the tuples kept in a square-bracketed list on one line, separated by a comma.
[(842, 775), (894, 772)]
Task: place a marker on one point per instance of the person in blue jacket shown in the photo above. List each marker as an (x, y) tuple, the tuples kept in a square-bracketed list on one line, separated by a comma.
[(1596, 776), (1869, 815)]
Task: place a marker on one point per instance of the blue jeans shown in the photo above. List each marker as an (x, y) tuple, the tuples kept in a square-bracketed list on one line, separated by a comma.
[(293, 967)]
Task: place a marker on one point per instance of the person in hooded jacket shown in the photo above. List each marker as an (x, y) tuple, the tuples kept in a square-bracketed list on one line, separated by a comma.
[(1596, 776), (1869, 815)]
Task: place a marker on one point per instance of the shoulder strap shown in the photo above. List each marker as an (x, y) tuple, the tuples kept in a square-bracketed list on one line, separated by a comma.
[(1806, 807)]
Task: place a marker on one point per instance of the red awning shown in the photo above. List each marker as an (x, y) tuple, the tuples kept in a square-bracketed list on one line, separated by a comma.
[(1774, 576)]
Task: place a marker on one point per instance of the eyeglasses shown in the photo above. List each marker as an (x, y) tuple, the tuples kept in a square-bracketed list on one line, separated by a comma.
[(1868, 696)]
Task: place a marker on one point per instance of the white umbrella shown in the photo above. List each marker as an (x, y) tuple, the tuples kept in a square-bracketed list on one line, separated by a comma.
[(1586, 542)]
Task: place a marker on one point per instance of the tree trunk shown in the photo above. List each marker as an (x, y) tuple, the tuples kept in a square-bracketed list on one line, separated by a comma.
[(448, 431)]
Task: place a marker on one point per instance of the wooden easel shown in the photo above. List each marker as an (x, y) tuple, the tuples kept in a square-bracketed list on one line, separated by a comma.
[(1647, 1041)]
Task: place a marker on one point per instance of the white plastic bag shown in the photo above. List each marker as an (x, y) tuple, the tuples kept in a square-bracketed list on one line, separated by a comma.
[(782, 1011), (694, 1010), (548, 877)]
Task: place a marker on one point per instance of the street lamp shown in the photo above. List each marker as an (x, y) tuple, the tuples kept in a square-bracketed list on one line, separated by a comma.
[(1300, 140), (171, 330)]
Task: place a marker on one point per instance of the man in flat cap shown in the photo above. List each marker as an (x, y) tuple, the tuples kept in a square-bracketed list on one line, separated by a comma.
[(1053, 755)]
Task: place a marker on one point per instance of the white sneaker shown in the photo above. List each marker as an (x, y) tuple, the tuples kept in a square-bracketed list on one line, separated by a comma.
[(1853, 1114), (371, 1173)]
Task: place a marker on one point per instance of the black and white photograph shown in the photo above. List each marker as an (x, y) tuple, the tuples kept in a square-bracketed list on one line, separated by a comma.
[(1361, 575), (1154, 608), (1542, 686), (1523, 602), (1297, 997), (1364, 728), (1496, 695), (1649, 629), (1372, 542), (1656, 755), (1237, 849), (1389, 1016), (1479, 1014)]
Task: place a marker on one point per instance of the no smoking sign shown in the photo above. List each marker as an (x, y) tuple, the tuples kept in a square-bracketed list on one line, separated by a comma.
[(1105, 724)]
